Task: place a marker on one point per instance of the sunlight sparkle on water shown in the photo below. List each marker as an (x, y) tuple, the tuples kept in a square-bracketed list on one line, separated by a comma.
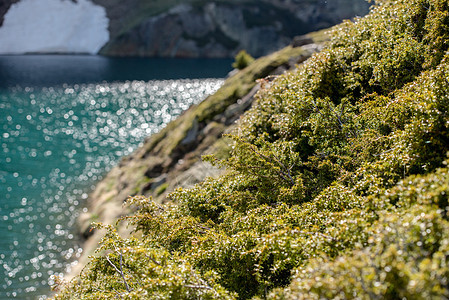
[(55, 143)]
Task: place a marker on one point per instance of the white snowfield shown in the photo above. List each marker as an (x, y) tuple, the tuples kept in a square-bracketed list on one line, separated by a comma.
[(54, 26)]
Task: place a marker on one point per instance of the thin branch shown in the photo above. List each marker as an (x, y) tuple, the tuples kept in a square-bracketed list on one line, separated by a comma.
[(120, 271), (118, 294), (152, 259), (98, 290), (258, 168), (339, 118), (283, 166), (201, 281), (286, 176), (137, 279), (203, 227), (337, 115), (204, 287), (110, 262)]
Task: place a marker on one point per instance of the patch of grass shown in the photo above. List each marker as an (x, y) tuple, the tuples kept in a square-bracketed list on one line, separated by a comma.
[(161, 189), (233, 89), (240, 84)]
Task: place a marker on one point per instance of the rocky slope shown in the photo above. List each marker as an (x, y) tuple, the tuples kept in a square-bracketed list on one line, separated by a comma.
[(172, 158)]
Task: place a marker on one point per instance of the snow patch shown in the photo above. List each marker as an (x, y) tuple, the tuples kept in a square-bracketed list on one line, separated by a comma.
[(54, 26)]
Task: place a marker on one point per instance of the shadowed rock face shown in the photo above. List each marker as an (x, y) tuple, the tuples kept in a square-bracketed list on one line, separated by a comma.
[(221, 29), (4, 6)]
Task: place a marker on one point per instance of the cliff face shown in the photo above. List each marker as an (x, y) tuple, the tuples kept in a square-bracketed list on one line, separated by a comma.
[(212, 30), (219, 28), (4, 7), (171, 28)]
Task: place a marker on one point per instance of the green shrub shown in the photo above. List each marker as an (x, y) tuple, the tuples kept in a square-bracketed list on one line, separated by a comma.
[(130, 269), (242, 60), (334, 186), (405, 257)]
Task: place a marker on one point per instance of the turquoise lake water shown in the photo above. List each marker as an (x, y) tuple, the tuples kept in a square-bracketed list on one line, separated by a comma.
[(64, 122)]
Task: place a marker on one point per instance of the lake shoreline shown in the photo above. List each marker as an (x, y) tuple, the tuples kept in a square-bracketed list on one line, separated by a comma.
[(172, 157), (62, 70)]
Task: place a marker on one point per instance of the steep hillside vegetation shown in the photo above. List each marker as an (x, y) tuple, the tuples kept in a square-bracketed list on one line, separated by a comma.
[(172, 157), (336, 187)]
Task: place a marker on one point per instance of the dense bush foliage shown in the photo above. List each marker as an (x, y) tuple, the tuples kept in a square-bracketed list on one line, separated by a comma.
[(242, 60), (336, 185)]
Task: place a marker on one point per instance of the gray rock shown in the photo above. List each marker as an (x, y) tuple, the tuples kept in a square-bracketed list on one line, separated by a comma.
[(301, 40), (228, 19), (222, 29), (191, 134), (196, 24), (197, 173), (157, 182)]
